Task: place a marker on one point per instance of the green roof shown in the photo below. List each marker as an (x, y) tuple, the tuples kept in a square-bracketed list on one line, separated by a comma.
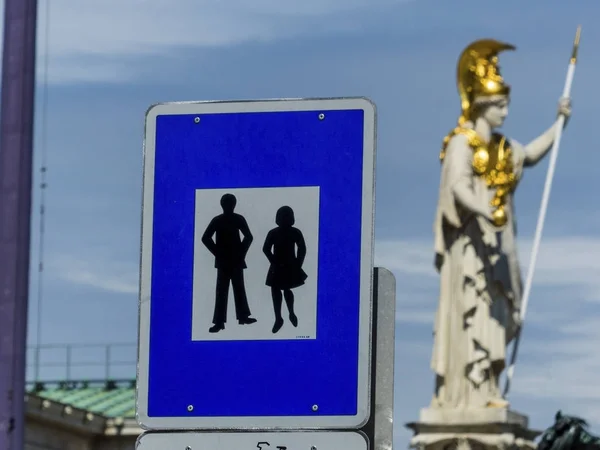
[(109, 399)]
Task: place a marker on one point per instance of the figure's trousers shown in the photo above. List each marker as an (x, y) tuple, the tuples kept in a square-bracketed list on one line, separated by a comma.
[(235, 277)]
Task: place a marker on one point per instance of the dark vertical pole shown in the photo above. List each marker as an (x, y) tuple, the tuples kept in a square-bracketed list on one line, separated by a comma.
[(16, 149)]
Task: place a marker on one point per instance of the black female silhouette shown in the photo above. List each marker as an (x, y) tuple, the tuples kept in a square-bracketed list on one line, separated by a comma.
[(285, 272)]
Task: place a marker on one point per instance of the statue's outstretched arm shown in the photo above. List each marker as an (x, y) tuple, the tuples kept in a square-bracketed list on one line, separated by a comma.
[(537, 149)]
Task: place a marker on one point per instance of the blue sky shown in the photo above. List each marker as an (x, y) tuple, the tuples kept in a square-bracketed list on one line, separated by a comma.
[(109, 60)]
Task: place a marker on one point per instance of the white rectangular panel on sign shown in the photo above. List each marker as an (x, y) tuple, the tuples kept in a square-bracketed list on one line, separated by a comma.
[(305, 440), (259, 207), (256, 289)]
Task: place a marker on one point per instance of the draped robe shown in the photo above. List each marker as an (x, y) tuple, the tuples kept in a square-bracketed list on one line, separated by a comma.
[(480, 286)]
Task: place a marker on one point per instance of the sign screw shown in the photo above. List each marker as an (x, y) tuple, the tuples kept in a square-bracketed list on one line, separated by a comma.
[(190, 408), (190, 448), (312, 447), (321, 116), (196, 119), (315, 407)]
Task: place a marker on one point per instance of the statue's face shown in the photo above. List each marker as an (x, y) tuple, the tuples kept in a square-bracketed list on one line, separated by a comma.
[(495, 111)]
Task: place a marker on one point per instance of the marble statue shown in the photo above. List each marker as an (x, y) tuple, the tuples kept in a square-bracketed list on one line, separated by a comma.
[(476, 254)]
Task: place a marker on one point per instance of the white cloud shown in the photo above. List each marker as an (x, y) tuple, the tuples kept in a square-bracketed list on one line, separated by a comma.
[(566, 364), (88, 39), (414, 315), (99, 273), (413, 257), (569, 261)]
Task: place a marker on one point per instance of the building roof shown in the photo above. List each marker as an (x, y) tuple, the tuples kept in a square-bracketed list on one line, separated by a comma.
[(110, 399)]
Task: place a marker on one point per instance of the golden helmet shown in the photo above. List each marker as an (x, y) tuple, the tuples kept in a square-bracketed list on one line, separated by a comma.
[(478, 74)]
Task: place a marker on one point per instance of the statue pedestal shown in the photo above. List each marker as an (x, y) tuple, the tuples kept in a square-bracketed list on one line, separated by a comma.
[(472, 429)]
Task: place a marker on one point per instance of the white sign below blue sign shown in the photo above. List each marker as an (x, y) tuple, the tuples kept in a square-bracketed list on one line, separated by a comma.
[(256, 268), (305, 440)]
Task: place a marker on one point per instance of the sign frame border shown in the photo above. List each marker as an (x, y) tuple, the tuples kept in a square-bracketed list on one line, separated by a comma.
[(364, 393)]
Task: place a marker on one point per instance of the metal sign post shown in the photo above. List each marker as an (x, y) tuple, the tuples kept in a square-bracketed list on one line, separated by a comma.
[(16, 154)]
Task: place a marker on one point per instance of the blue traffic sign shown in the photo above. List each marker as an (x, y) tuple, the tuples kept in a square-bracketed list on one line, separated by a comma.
[(257, 252)]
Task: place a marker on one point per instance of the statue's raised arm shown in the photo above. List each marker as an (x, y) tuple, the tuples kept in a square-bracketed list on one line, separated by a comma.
[(539, 147)]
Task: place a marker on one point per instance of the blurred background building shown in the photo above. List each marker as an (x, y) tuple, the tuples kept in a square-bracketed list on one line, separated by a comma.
[(81, 397)]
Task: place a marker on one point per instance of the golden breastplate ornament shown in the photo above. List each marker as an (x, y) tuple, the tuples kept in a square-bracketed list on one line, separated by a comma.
[(493, 162)]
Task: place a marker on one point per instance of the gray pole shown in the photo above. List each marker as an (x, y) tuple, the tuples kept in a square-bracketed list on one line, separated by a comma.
[(16, 149)]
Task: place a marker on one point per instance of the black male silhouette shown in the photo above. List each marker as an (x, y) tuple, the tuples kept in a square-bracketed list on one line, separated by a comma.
[(230, 252), (285, 272)]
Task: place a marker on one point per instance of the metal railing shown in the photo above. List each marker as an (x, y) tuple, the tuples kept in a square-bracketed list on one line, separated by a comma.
[(69, 362)]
